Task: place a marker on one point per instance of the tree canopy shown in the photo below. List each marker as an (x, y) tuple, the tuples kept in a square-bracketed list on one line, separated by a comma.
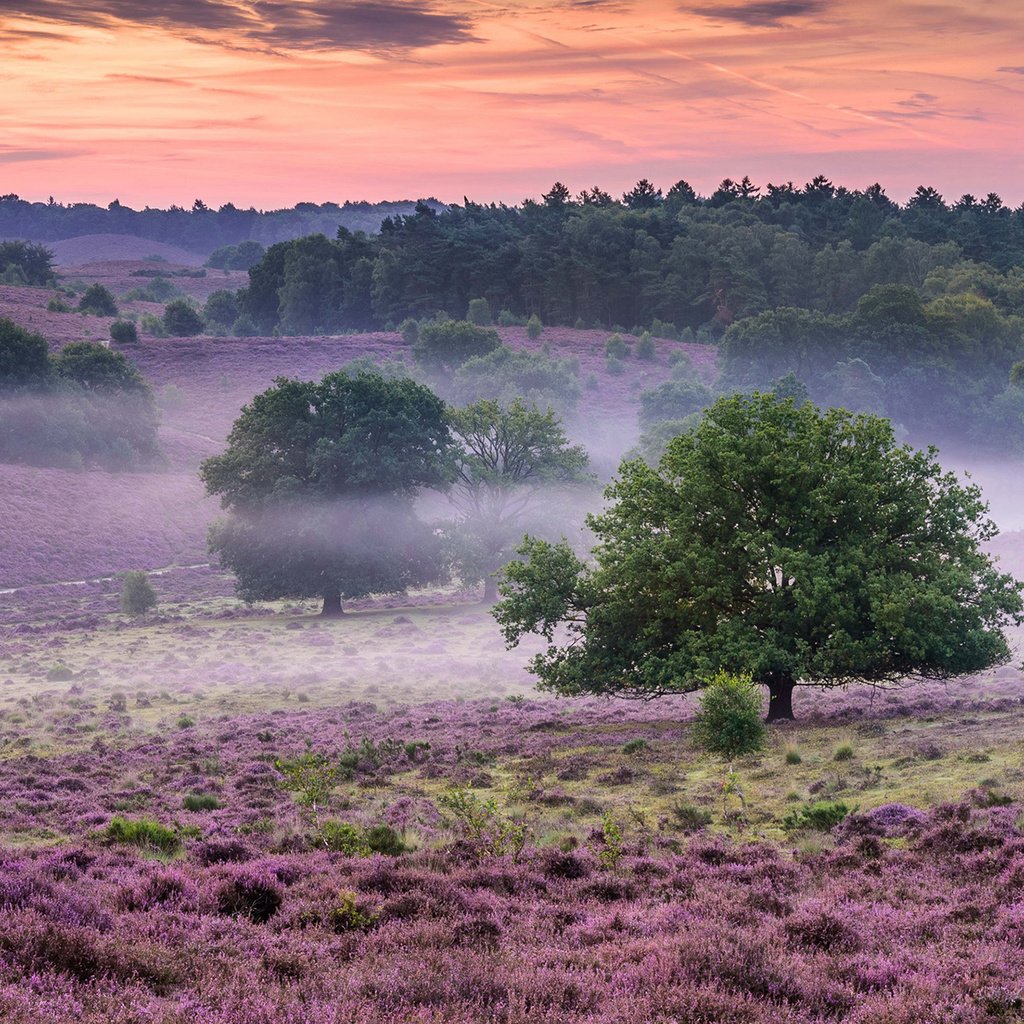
[(512, 467), (319, 480), (803, 547)]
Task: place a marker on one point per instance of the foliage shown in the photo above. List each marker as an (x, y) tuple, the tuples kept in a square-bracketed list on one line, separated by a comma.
[(444, 346), (24, 357), (513, 466), (534, 328), (479, 313), (319, 480), (673, 400), (506, 375), (30, 263), (201, 802), (342, 837), (144, 833), (236, 257), (137, 593), (689, 818), (645, 349), (616, 348), (777, 540), (410, 330), (347, 916), (728, 720), (821, 816), (222, 308), (480, 823), (182, 319), (124, 332), (96, 299), (609, 855)]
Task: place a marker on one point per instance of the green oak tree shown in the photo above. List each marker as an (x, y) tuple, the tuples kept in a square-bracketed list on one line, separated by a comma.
[(803, 547), (513, 471), (320, 479)]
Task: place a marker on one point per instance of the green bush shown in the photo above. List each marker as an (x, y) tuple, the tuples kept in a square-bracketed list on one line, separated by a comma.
[(615, 366), (97, 300), (185, 722), (201, 802), (689, 818), (58, 305), (616, 348), (137, 593), (144, 833), (124, 332), (661, 329), (793, 756), (821, 816), (384, 839), (182, 320), (479, 313), (635, 746), (506, 318), (221, 308), (844, 752), (645, 347), (347, 916), (342, 837), (446, 346), (410, 330), (60, 673), (153, 325), (728, 720), (534, 327)]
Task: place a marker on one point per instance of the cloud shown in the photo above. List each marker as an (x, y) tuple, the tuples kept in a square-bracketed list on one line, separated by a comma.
[(1012, 71), (761, 13), (371, 25), (10, 155)]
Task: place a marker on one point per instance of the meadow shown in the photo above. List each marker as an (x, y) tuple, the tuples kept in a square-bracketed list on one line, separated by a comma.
[(245, 814)]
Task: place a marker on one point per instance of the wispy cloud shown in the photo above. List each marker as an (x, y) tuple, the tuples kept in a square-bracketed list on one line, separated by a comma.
[(375, 25), (761, 13)]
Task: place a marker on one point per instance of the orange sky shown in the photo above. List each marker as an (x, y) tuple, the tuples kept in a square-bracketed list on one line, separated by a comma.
[(269, 103)]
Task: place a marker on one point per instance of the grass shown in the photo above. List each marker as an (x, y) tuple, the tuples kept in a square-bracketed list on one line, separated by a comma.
[(145, 833)]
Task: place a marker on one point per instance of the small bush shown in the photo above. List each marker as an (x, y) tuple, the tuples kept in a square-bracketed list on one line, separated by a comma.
[(616, 348), (793, 756), (185, 721), (124, 332), (844, 753), (689, 818), (58, 305), (153, 325), (342, 837), (635, 746), (645, 347), (479, 313), (347, 916), (251, 893), (410, 330), (729, 721), (384, 839), (97, 300), (201, 802), (821, 816), (59, 673), (615, 366), (182, 320), (143, 833), (506, 318), (137, 594), (446, 346), (244, 327), (534, 327)]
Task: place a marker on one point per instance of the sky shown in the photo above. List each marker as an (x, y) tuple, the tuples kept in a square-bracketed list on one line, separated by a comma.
[(270, 102)]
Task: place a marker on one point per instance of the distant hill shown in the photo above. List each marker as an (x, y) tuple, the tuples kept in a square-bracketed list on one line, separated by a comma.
[(73, 252), (196, 231)]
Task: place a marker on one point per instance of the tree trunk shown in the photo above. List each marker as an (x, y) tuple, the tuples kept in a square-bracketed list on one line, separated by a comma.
[(332, 605), (780, 698), (490, 589)]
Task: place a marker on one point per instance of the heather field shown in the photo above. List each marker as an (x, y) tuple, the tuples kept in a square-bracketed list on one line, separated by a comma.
[(246, 814), (253, 815)]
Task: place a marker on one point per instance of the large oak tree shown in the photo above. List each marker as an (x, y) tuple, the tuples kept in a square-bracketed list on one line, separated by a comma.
[(804, 547)]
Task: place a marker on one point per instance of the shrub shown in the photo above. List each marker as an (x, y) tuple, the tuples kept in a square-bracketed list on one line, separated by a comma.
[(679, 361), (182, 320), (729, 721), (616, 348), (59, 673), (124, 332), (137, 594), (689, 818), (673, 400), (185, 722), (505, 375), (143, 833), (244, 327), (97, 300), (661, 329), (58, 305), (221, 308), (384, 839), (506, 318), (645, 347), (844, 752), (341, 837), (793, 756), (153, 325), (250, 893), (534, 327), (201, 802), (446, 346), (479, 313), (347, 916), (410, 330), (635, 746), (822, 815), (614, 366)]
